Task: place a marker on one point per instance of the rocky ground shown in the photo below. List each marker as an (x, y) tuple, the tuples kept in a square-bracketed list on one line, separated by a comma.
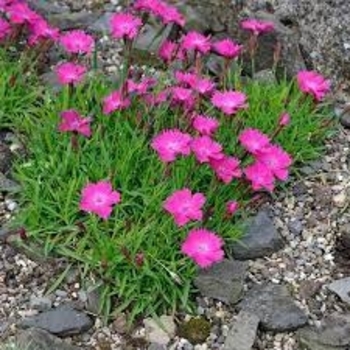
[(292, 292)]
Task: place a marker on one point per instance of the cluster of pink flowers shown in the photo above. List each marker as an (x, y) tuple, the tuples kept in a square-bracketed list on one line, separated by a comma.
[(267, 162), (271, 162), (313, 84)]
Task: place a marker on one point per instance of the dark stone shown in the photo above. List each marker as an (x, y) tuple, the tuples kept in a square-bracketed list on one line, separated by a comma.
[(8, 185), (101, 25), (5, 158), (39, 339), (345, 119), (242, 334), (46, 8), (295, 226), (333, 334), (275, 308), (341, 287), (63, 321), (73, 20), (222, 281), (261, 239)]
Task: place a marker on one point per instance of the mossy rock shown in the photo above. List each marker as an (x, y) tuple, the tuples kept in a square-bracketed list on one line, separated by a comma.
[(196, 330)]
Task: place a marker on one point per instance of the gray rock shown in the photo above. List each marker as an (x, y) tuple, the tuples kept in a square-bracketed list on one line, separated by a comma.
[(40, 303), (101, 25), (46, 8), (333, 334), (275, 308), (5, 158), (242, 334), (261, 239), (295, 226), (63, 321), (39, 339), (8, 185), (73, 20), (324, 34), (160, 331), (341, 288), (344, 116), (266, 76), (155, 346), (223, 281)]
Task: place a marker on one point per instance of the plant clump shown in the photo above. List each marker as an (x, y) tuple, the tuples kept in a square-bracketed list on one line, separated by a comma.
[(145, 180)]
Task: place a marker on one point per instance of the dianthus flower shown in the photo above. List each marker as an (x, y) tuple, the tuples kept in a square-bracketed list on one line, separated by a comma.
[(185, 206), (70, 73), (313, 84), (115, 102), (229, 102), (226, 168), (204, 247), (276, 160), (77, 42), (73, 121), (171, 143), (253, 140), (5, 29), (260, 176), (167, 51), (99, 198), (182, 96), (257, 27), (231, 207), (125, 26), (206, 149), (41, 30), (21, 13), (205, 125), (227, 48), (194, 41), (170, 14), (166, 13), (142, 87)]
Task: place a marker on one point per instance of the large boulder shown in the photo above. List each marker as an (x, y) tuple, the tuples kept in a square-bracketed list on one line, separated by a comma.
[(324, 33)]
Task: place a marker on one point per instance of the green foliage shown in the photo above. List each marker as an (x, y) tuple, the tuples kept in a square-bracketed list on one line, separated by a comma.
[(20, 92), (119, 150)]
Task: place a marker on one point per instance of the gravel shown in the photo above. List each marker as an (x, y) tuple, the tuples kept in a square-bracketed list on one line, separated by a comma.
[(310, 218)]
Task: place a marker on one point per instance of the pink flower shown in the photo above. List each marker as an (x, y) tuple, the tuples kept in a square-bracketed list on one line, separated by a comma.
[(257, 27), (206, 149), (203, 247), (192, 80), (284, 119), (157, 99), (231, 207), (142, 87), (77, 42), (20, 13), (5, 29), (125, 26), (313, 84), (226, 168), (41, 30), (229, 102), (99, 198), (227, 48), (114, 102), (253, 140), (196, 42), (171, 143), (276, 160), (205, 125), (152, 6), (170, 14), (167, 51), (185, 206), (182, 96), (70, 73), (73, 121), (260, 176)]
